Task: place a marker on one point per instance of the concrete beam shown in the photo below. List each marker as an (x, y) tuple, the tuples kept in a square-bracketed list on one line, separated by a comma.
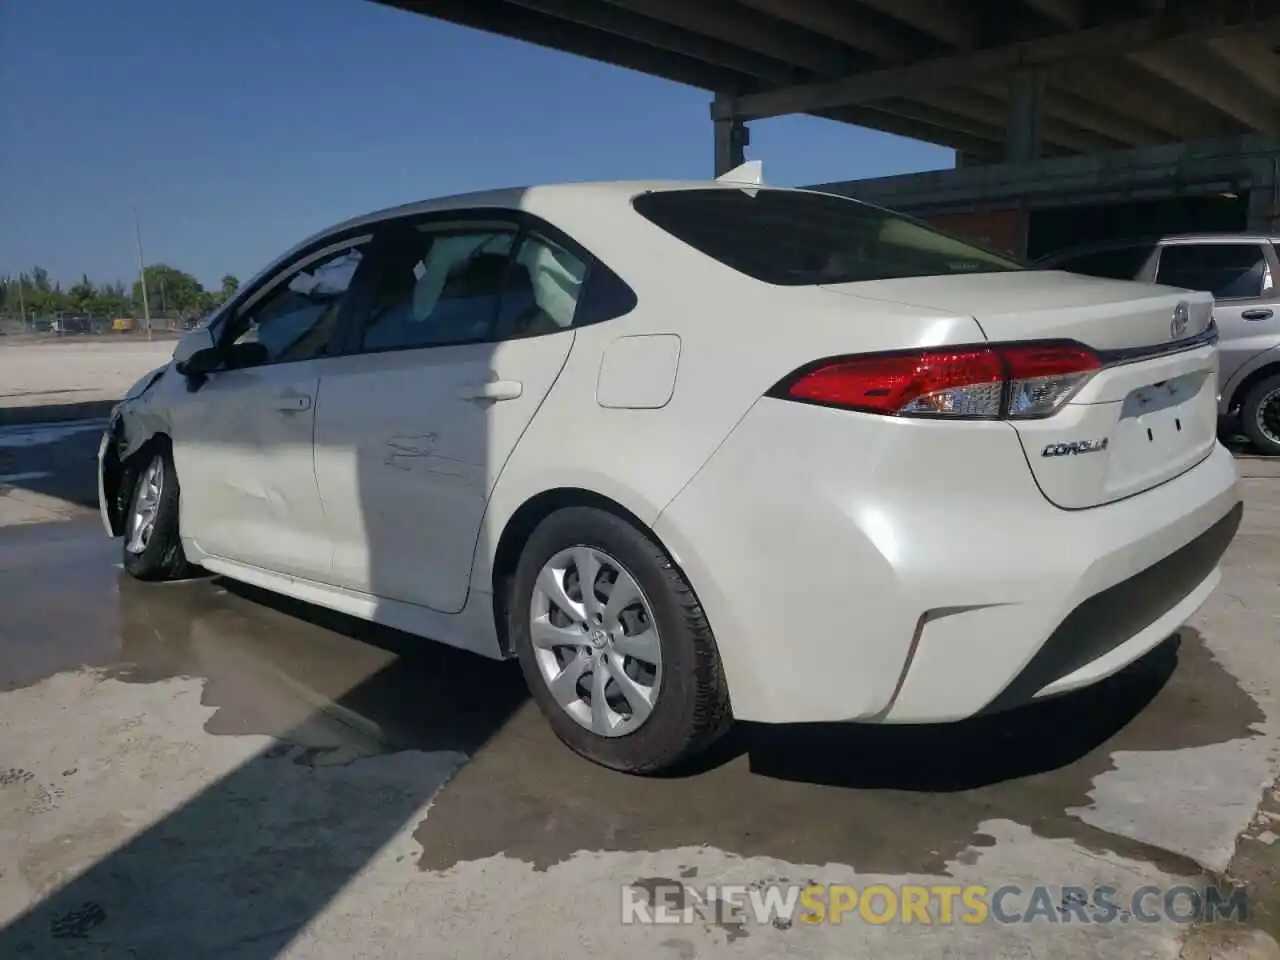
[(1190, 67), (1065, 12), (1254, 57), (993, 108), (1084, 115), (880, 118), (664, 36), (533, 27), (1167, 170), (1126, 89), (948, 21), (956, 70), (966, 68), (751, 30), (937, 116), (845, 23)]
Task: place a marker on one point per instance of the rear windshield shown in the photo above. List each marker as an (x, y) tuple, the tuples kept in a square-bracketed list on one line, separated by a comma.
[(792, 238)]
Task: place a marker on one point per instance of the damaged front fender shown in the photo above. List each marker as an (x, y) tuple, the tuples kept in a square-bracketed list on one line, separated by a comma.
[(133, 424)]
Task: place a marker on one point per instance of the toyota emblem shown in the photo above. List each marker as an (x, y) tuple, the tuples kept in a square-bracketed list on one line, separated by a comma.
[(1181, 317)]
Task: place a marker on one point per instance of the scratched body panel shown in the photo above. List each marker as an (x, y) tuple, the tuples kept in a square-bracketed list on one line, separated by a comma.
[(406, 456)]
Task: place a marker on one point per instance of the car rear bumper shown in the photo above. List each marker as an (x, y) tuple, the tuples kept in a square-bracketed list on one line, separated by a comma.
[(858, 568)]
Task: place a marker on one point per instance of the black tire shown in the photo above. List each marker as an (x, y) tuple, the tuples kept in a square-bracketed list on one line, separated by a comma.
[(163, 558), (692, 709), (1249, 415)]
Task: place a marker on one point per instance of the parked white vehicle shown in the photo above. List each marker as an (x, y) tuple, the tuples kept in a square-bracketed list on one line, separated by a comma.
[(695, 451)]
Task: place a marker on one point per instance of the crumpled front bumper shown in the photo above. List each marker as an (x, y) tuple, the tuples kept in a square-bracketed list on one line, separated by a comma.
[(110, 473)]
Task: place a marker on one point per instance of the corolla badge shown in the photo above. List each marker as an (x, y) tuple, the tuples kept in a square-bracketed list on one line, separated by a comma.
[(1074, 448), (1181, 317)]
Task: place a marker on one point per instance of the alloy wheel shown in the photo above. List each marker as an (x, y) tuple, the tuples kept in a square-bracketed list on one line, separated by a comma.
[(1267, 416), (146, 506)]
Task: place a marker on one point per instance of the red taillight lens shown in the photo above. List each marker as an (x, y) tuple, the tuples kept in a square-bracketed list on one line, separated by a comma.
[(1014, 380)]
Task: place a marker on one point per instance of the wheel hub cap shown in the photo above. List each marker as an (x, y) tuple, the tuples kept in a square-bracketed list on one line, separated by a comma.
[(595, 641)]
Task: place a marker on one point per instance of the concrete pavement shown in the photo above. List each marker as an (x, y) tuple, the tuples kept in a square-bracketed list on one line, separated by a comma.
[(91, 373), (201, 768)]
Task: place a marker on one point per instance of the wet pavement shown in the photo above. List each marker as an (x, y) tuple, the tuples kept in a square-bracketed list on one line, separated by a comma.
[(202, 766)]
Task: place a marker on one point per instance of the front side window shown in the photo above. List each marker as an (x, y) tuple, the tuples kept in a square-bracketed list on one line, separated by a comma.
[(1230, 271), (438, 287), (296, 320), (794, 238)]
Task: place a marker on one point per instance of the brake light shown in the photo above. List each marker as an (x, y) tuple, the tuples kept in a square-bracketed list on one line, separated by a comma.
[(1015, 381)]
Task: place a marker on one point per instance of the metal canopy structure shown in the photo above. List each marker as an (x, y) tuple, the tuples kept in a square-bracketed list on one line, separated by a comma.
[(998, 80)]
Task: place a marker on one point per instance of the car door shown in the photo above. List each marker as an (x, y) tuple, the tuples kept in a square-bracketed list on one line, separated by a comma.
[(1240, 275), (465, 327), (242, 437)]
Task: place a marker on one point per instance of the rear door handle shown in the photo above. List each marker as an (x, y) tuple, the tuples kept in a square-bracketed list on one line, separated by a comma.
[(1258, 314), (492, 390), (293, 402)]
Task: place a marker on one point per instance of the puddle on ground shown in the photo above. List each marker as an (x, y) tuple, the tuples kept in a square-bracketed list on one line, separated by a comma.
[(335, 688), (892, 800)]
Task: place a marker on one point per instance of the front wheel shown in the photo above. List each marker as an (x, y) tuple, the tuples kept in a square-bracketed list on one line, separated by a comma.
[(1260, 416), (614, 645), (152, 548)]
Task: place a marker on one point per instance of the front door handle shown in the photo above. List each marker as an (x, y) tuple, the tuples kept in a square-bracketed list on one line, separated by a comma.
[(1258, 314), (293, 402), (492, 390)]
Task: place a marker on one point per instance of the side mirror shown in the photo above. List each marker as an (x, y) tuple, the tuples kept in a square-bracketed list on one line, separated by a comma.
[(201, 363), (192, 344)]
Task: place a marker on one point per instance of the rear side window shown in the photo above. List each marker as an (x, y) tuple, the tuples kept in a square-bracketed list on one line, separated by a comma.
[(793, 238), (1230, 271), (1118, 263)]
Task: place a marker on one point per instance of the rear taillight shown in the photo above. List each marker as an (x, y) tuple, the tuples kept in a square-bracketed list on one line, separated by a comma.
[(1016, 381)]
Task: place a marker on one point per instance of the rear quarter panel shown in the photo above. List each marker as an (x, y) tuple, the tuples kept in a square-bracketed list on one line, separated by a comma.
[(737, 336)]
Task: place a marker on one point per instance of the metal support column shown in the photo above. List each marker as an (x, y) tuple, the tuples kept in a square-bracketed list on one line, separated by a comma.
[(1022, 140), (732, 137)]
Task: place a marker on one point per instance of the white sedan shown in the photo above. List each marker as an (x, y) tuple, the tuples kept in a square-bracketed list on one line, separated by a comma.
[(693, 452)]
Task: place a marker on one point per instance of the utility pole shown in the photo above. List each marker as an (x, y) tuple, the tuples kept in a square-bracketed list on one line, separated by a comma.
[(142, 274), (22, 305)]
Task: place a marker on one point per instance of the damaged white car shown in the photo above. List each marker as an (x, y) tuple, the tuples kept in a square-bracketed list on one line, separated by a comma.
[(696, 451)]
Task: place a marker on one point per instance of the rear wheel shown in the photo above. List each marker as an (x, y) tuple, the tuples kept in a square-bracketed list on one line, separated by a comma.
[(614, 645), (1260, 416), (152, 548)]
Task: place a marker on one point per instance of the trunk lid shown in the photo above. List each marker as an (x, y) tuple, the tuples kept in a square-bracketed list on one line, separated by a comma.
[(1148, 416)]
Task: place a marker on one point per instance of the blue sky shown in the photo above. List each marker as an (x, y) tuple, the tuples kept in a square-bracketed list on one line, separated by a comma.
[(237, 127)]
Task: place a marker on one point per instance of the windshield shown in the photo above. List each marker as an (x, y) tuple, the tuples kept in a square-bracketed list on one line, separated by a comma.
[(794, 238)]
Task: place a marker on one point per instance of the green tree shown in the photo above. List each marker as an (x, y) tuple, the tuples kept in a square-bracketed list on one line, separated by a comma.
[(83, 295), (169, 290), (112, 300), (230, 284)]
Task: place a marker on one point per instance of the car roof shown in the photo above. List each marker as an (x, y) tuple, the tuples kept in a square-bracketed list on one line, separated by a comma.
[(537, 199), (516, 198)]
